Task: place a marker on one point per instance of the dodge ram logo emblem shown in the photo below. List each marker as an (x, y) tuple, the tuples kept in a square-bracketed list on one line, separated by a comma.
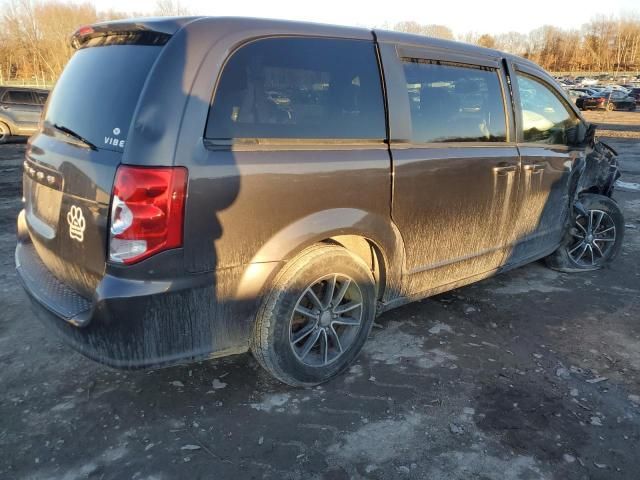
[(75, 218)]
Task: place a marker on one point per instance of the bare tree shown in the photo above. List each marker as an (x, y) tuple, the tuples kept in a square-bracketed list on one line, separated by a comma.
[(170, 8), (34, 39), (438, 31), (487, 40)]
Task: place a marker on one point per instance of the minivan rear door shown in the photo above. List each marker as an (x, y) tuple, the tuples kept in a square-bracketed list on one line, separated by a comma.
[(455, 162), (71, 162)]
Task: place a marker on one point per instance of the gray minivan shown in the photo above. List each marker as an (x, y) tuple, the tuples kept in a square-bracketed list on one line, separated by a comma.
[(201, 187), (20, 110)]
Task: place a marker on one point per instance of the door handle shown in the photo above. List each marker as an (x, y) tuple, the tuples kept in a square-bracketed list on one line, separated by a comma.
[(504, 169), (535, 167)]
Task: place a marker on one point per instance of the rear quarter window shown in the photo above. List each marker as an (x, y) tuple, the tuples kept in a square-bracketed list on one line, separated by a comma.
[(299, 88)]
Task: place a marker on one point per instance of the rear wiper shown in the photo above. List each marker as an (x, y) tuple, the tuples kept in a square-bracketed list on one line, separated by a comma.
[(73, 134)]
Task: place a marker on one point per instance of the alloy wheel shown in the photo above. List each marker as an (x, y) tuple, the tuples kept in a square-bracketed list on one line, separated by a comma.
[(594, 236), (326, 320)]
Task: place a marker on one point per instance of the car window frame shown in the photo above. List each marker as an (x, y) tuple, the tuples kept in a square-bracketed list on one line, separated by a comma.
[(9, 90), (37, 93), (514, 70), (293, 143), (454, 58)]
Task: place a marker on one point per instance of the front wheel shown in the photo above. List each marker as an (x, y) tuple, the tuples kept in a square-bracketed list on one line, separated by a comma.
[(594, 238), (316, 318)]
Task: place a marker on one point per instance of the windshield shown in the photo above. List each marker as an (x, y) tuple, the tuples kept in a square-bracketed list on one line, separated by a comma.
[(98, 91)]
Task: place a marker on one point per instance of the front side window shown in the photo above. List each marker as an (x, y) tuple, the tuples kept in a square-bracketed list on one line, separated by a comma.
[(453, 103), (545, 118), (299, 88)]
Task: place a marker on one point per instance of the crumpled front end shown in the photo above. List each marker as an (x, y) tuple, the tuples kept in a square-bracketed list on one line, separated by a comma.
[(601, 170)]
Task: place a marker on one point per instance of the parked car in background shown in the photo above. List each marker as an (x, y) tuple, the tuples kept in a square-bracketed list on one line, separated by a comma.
[(20, 110), (584, 90), (611, 100), (586, 81), (635, 93), (617, 88), (574, 94), (273, 186)]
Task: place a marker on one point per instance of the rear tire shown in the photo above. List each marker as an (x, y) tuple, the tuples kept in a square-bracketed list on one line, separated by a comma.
[(5, 133), (610, 107), (305, 335), (593, 241)]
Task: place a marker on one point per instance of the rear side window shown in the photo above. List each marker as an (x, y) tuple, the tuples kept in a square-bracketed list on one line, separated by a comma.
[(98, 91), (545, 118), (299, 88), (453, 103), (18, 96)]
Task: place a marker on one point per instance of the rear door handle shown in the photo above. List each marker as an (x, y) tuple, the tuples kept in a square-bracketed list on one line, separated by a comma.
[(504, 169), (535, 167)]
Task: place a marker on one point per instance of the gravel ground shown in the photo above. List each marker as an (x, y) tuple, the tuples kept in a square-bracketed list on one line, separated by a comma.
[(532, 374)]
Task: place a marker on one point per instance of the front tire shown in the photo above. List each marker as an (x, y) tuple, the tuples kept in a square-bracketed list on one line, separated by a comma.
[(316, 318), (594, 239)]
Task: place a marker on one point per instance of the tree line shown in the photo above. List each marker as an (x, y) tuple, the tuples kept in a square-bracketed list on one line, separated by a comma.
[(34, 46), (604, 44), (35, 42)]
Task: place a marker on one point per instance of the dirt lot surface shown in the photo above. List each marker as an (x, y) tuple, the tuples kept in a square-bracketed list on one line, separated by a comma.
[(532, 374)]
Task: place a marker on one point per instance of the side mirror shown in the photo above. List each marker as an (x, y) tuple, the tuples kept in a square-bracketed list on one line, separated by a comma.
[(590, 135), (581, 135)]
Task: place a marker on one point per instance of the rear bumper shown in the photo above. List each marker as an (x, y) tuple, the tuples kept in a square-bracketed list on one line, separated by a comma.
[(124, 325), (134, 324)]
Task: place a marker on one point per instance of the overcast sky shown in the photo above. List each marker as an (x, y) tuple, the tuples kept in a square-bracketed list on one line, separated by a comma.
[(483, 16)]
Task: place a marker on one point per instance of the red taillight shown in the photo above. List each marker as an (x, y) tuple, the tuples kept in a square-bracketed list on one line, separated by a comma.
[(147, 212), (601, 100), (82, 31)]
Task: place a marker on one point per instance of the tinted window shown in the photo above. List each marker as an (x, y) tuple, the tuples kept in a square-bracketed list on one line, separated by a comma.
[(545, 118), (41, 97), (299, 88), (99, 90), (454, 103), (18, 96)]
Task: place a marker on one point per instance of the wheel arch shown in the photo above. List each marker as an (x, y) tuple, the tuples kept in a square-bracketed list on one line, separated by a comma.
[(8, 123), (370, 253), (370, 236)]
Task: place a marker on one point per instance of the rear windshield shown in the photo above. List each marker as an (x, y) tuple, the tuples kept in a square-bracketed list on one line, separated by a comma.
[(98, 91)]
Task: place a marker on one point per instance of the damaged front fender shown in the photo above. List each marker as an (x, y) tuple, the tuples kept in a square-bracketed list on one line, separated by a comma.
[(601, 170), (597, 171)]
